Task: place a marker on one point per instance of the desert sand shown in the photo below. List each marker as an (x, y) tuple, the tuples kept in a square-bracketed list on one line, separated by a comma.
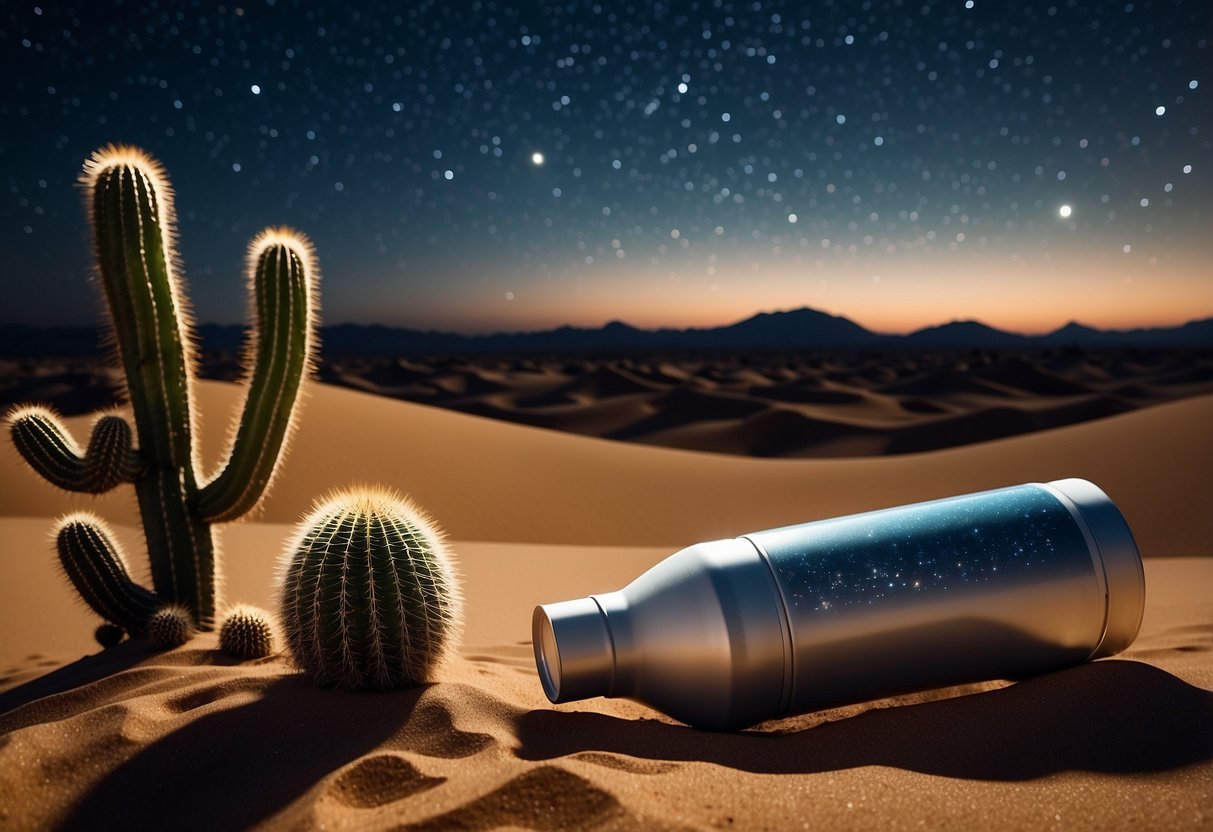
[(827, 405), (843, 403), (134, 738)]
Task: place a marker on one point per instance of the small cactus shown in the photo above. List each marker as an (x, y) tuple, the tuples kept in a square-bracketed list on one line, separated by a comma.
[(109, 635), (247, 633), (370, 599), (170, 626), (130, 204)]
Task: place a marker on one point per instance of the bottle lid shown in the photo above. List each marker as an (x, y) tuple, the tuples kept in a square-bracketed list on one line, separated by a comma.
[(573, 650), (1126, 580)]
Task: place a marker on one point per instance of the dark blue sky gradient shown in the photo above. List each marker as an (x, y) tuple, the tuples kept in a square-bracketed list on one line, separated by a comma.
[(899, 163)]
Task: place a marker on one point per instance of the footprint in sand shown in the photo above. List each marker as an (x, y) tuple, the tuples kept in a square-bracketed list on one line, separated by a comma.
[(1191, 638), (378, 781), (206, 694), (544, 798), (431, 731)]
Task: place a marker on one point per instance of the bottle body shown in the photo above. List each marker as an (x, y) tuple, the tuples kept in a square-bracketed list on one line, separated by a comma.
[(726, 634)]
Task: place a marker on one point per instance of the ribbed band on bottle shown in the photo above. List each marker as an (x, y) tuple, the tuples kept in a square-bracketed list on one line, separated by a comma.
[(1126, 582)]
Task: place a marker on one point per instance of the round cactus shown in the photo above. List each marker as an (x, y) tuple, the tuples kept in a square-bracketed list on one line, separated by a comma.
[(170, 626), (109, 635), (247, 633), (370, 597)]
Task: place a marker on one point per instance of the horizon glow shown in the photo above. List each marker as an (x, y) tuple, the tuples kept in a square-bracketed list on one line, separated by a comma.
[(522, 166)]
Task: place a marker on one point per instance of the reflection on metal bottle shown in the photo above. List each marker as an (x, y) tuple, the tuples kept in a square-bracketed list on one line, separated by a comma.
[(729, 633)]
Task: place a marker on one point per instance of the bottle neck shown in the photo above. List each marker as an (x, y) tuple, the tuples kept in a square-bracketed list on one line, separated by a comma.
[(573, 650)]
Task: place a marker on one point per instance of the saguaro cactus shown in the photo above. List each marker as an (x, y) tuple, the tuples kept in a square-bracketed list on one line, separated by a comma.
[(131, 209), (370, 598)]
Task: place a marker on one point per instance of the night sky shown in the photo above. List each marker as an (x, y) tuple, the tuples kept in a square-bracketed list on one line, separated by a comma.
[(489, 166)]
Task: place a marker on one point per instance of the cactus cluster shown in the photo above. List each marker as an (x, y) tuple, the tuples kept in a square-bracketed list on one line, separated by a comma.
[(131, 209), (369, 596)]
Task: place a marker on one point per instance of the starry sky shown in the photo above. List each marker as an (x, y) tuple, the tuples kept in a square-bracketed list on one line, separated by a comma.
[(484, 166)]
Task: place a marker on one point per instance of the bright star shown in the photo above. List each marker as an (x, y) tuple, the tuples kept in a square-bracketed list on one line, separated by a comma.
[(1065, 211), (536, 158)]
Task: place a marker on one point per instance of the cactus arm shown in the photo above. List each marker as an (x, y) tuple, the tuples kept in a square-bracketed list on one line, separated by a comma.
[(280, 354), (110, 460), (46, 445), (96, 567)]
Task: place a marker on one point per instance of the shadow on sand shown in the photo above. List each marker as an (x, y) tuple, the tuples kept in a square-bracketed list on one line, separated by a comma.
[(240, 765), (1119, 717), (236, 767), (237, 762)]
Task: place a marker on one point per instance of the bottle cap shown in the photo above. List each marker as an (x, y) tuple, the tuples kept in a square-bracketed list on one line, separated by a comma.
[(1126, 580), (573, 650)]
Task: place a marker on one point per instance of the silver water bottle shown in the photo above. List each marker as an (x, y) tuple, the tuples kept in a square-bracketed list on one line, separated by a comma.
[(726, 634)]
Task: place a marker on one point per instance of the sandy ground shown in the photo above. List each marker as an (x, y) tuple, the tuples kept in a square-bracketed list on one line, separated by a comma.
[(190, 739)]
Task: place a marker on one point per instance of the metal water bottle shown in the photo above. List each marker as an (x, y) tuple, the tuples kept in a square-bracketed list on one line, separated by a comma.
[(726, 634)]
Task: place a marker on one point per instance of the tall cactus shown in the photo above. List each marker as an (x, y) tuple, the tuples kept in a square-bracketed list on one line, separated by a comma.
[(131, 206), (370, 599)]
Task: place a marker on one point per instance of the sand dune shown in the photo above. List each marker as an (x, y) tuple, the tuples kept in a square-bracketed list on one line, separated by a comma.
[(192, 740), (488, 480), (885, 403), (891, 402)]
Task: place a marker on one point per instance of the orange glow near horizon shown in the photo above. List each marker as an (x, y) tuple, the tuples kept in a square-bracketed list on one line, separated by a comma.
[(903, 293)]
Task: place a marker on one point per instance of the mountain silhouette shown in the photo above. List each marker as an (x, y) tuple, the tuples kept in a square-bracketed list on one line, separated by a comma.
[(964, 334), (796, 329)]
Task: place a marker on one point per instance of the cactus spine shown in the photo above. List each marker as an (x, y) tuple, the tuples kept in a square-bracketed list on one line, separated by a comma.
[(131, 209), (369, 595)]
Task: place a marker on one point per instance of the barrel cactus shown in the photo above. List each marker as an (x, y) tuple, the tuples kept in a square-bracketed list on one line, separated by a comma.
[(370, 599), (131, 208)]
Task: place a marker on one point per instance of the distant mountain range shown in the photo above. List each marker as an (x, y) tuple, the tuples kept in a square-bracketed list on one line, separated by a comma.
[(796, 329)]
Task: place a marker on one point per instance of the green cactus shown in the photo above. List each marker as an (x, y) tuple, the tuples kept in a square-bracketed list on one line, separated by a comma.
[(246, 633), (50, 450), (96, 567), (131, 205), (369, 595)]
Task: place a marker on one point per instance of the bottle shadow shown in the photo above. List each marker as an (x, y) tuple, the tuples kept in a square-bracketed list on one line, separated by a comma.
[(1111, 716)]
